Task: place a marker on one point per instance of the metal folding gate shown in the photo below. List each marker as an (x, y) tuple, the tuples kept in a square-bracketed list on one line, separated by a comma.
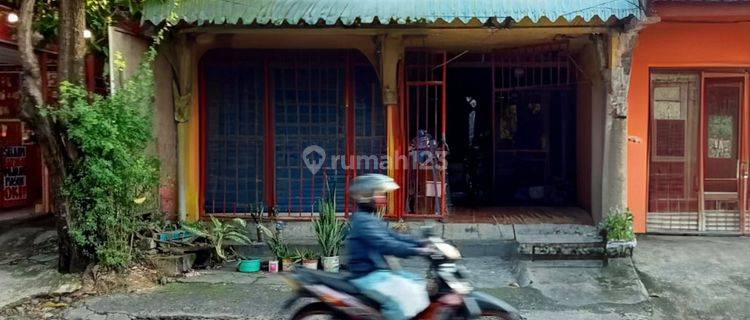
[(424, 125)]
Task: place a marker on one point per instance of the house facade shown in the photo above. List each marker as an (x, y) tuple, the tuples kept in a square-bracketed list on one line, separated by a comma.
[(23, 178), (688, 119), (477, 109)]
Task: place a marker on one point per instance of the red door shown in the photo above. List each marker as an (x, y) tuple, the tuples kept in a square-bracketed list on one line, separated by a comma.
[(723, 155)]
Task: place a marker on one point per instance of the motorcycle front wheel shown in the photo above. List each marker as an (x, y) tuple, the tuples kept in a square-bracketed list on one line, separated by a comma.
[(500, 316), (317, 311)]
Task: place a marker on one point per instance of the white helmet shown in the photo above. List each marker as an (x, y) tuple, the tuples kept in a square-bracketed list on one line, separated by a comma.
[(364, 188)]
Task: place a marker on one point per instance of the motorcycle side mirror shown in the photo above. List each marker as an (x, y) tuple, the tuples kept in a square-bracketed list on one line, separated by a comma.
[(427, 231)]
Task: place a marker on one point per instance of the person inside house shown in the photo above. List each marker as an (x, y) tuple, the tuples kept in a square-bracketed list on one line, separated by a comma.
[(401, 295)]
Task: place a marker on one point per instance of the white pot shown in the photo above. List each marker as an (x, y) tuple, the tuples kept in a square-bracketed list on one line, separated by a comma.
[(310, 264), (330, 264)]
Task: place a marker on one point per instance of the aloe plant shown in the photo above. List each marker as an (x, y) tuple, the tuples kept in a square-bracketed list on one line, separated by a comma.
[(217, 233), (276, 243), (304, 254)]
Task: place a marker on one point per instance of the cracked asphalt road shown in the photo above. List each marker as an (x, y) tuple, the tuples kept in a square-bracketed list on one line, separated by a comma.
[(590, 292), (668, 278)]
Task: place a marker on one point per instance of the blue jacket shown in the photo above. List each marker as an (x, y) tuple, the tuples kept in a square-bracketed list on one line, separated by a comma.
[(370, 239)]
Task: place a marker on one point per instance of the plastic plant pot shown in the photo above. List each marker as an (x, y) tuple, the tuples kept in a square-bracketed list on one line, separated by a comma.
[(330, 264), (287, 265), (310, 264), (273, 266)]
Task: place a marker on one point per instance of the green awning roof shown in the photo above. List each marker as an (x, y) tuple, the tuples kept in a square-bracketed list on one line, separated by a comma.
[(330, 12)]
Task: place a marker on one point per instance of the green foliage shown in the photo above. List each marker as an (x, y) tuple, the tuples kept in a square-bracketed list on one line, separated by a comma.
[(113, 179), (256, 212), (100, 14), (305, 254), (329, 229), (217, 233), (46, 18), (276, 243), (618, 225)]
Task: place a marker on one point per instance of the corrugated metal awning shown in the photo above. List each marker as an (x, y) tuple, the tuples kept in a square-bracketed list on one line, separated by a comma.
[(348, 12)]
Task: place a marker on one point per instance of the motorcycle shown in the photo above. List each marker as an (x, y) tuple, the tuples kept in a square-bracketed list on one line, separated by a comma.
[(451, 294)]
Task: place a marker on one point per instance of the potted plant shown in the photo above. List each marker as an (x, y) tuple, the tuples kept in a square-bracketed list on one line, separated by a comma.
[(617, 229), (287, 261), (329, 231), (217, 233), (278, 248), (308, 258)]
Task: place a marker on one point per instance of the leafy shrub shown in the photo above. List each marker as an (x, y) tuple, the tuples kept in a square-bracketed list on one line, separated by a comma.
[(217, 233), (618, 225), (112, 181)]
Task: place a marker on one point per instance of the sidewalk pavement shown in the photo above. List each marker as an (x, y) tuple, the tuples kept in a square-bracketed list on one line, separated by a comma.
[(696, 277), (28, 263)]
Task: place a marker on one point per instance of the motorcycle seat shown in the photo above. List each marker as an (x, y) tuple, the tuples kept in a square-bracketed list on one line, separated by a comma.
[(335, 281)]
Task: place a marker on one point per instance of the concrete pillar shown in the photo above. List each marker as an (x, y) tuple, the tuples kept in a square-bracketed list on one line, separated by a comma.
[(390, 50), (616, 50), (165, 133), (179, 54)]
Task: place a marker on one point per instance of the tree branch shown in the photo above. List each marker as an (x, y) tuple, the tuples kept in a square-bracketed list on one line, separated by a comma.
[(72, 44), (32, 79), (49, 138)]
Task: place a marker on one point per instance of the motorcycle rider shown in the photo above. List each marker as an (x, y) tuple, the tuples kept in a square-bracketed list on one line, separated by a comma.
[(401, 295)]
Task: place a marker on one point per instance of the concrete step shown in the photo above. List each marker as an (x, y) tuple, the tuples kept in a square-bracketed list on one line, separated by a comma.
[(477, 239), (468, 248), (559, 241)]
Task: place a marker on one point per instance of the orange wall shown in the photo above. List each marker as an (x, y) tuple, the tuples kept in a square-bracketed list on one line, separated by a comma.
[(676, 45)]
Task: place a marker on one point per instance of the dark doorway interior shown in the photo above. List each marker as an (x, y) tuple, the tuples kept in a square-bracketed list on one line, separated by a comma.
[(518, 149), (469, 135), (535, 148)]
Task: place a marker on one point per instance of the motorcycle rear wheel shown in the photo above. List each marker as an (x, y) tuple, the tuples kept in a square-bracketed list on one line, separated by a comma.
[(317, 311)]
